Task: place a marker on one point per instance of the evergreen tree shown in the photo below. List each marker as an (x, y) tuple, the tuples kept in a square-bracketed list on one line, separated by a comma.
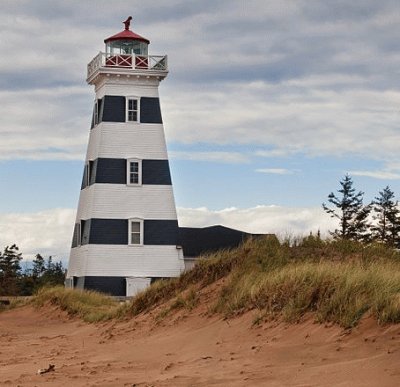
[(350, 211), (10, 270), (387, 215), (54, 273), (39, 266)]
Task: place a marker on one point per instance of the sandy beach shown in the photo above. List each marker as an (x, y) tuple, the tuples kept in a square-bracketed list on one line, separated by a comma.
[(192, 349)]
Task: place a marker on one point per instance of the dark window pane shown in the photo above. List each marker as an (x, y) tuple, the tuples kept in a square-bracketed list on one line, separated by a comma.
[(134, 178), (135, 226), (135, 239)]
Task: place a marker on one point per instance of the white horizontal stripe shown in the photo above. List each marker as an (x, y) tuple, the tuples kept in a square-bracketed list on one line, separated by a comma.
[(119, 201), (131, 86), (126, 261), (126, 140)]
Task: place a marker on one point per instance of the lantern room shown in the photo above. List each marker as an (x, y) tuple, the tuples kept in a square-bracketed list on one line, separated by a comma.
[(126, 42), (127, 52)]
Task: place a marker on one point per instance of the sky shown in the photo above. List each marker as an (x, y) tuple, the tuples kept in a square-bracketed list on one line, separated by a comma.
[(267, 105)]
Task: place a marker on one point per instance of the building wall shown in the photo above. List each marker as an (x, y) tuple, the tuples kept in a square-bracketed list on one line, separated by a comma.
[(151, 202), (127, 140), (125, 261)]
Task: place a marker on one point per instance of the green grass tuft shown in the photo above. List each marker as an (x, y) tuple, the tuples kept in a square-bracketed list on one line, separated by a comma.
[(89, 305)]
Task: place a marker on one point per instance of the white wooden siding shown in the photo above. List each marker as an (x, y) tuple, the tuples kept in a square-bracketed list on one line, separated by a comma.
[(127, 140), (131, 86), (77, 262), (126, 261), (119, 201)]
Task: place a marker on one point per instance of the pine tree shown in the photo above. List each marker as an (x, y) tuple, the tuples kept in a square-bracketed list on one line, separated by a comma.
[(39, 266), (387, 215), (10, 270), (54, 273), (350, 211)]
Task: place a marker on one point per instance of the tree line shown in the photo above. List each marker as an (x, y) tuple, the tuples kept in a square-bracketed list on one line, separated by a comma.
[(377, 221), (17, 282)]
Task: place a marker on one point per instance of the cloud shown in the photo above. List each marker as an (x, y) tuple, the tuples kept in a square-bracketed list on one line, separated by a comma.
[(261, 219), (44, 123), (312, 122), (287, 77), (383, 175), (214, 156), (49, 232), (275, 171), (46, 232)]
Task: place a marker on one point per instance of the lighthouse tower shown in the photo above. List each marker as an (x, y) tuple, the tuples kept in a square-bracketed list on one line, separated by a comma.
[(126, 229)]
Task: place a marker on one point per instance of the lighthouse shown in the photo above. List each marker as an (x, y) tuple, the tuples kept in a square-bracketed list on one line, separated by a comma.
[(126, 229)]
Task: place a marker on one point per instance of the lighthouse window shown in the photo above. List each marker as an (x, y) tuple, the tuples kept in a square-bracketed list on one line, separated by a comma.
[(134, 169), (89, 172), (136, 232), (133, 110), (96, 113)]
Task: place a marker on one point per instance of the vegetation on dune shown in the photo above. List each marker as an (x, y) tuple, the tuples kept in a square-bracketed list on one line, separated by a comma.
[(88, 305), (339, 281), (12, 302)]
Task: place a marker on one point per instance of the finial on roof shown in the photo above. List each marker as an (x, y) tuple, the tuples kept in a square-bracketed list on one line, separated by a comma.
[(127, 22)]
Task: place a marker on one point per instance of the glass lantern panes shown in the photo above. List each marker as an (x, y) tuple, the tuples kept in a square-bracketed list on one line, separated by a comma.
[(126, 47)]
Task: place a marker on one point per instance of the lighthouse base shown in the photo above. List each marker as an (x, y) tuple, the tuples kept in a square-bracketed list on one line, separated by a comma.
[(113, 286)]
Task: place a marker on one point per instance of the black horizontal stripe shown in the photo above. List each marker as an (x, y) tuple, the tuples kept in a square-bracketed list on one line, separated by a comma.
[(115, 232), (112, 108), (150, 111), (156, 172), (113, 171)]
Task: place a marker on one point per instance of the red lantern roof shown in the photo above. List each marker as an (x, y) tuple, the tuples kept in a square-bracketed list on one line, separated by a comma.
[(127, 34)]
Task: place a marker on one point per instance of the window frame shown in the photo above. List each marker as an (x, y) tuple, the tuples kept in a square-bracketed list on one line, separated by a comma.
[(132, 98), (79, 233), (141, 231), (96, 113), (89, 171), (128, 171)]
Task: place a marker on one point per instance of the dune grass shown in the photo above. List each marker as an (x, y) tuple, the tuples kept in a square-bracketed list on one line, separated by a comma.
[(90, 306), (15, 302), (338, 281)]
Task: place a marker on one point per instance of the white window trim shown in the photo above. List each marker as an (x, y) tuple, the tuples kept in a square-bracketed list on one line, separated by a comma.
[(127, 99), (128, 171), (141, 222)]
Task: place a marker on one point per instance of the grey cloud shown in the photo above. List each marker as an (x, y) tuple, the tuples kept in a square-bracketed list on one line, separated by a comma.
[(322, 69)]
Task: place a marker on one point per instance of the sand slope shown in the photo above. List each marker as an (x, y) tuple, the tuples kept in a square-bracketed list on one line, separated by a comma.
[(193, 350)]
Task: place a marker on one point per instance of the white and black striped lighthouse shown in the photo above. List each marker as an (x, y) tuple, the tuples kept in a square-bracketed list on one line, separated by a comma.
[(126, 227)]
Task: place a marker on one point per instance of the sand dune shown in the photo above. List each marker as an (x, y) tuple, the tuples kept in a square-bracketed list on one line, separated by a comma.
[(192, 349)]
